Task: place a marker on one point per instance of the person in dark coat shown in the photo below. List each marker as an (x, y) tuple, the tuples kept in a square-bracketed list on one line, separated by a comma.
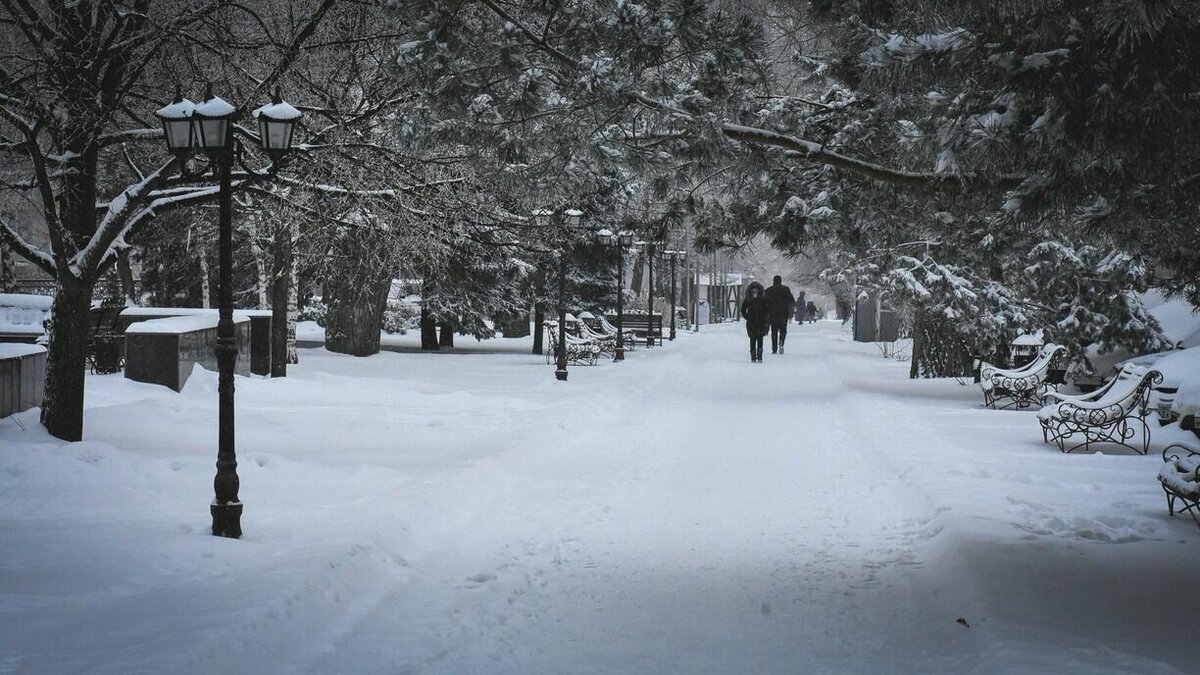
[(779, 310), (801, 308), (812, 312), (754, 311)]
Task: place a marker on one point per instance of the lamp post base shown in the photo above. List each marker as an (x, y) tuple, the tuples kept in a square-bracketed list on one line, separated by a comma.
[(560, 375), (227, 519), (619, 355)]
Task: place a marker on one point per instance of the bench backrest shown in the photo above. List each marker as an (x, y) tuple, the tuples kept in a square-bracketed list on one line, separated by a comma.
[(1123, 398)]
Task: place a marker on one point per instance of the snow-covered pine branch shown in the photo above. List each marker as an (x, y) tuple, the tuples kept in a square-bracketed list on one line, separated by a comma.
[(816, 152)]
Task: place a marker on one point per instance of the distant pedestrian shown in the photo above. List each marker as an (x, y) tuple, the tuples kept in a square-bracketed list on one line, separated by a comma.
[(812, 311), (754, 311), (780, 303), (801, 308)]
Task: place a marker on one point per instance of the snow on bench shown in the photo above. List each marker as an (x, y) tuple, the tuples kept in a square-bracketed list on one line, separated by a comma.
[(1113, 414), (1180, 480), (1022, 387)]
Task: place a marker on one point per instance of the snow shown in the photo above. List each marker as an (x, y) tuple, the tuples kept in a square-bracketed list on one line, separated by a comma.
[(682, 512), (214, 107), (16, 350), (178, 110), (22, 313), (179, 324), (278, 111)]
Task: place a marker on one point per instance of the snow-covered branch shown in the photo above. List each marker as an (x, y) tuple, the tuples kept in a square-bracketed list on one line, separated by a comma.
[(118, 217), (27, 250), (816, 152)]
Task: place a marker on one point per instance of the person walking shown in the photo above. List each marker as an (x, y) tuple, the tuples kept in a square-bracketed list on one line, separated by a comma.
[(812, 312), (801, 308), (779, 310), (754, 311)]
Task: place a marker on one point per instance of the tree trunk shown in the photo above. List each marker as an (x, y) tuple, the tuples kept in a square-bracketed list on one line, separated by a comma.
[(356, 298), (429, 339), (125, 274), (62, 407), (205, 288), (262, 279), (8, 270), (293, 302), (635, 284), (539, 312), (938, 351), (446, 337), (281, 286)]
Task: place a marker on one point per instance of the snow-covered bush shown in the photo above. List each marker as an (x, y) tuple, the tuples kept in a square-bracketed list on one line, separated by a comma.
[(315, 310), (399, 317)]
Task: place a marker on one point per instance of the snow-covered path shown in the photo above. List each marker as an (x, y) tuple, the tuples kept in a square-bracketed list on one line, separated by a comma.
[(713, 519), (684, 512)]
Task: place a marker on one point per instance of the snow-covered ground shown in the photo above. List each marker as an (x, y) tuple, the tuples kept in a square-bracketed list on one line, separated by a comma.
[(683, 512)]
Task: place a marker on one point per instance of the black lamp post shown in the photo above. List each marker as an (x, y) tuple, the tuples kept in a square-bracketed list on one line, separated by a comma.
[(650, 297), (207, 127), (621, 240), (682, 256), (572, 217)]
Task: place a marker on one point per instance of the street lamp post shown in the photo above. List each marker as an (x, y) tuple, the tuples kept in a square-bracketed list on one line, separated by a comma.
[(621, 240), (208, 127), (682, 256), (650, 297), (572, 217)]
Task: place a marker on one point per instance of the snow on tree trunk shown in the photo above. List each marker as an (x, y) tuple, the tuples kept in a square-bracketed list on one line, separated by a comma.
[(262, 275), (281, 278), (125, 273), (62, 406), (8, 273), (938, 351), (205, 288), (293, 301), (356, 298)]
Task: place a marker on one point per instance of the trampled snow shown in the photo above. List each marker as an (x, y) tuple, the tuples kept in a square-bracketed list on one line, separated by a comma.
[(682, 512)]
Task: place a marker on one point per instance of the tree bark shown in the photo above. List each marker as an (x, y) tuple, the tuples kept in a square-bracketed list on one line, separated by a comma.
[(429, 339), (446, 336), (62, 406), (539, 312), (293, 302), (205, 287), (125, 273), (356, 298), (281, 292)]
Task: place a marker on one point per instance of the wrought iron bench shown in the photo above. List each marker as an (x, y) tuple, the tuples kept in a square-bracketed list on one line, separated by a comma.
[(630, 338), (1025, 386), (607, 343), (1115, 416), (1180, 479), (105, 351), (580, 351)]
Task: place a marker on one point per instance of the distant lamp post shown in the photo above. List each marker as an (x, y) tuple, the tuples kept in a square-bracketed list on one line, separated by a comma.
[(207, 127), (650, 248), (573, 217), (682, 257), (622, 241)]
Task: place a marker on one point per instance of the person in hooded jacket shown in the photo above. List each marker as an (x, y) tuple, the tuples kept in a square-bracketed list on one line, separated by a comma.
[(779, 310), (754, 311)]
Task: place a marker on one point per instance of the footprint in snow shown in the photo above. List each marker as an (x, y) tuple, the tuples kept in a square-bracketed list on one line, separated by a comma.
[(482, 578)]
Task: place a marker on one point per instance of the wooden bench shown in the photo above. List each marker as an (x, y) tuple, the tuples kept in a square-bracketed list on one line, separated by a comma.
[(1025, 386), (1113, 414), (1180, 479), (105, 351), (644, 326), (580, 351)]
